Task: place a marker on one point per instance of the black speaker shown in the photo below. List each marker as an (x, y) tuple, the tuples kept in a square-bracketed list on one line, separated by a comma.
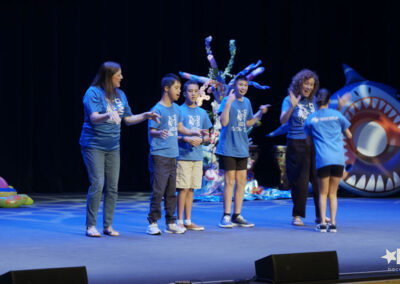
[(67, 275), (298, 267)]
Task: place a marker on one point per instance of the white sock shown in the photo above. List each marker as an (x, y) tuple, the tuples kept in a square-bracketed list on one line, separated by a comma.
[(180, 222), (188, 222)]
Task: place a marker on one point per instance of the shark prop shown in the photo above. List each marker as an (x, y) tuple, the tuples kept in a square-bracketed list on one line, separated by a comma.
[(374, 151)]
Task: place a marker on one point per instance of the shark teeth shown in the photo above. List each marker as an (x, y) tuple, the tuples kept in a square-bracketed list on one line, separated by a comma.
[(371, 184), (374, 183), (366, 181), (379, 184)]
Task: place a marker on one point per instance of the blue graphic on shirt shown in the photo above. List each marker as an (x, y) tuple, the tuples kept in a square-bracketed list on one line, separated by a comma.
[(105, 135), (195, 119), (234, 141), (170, 119), (304, 108)]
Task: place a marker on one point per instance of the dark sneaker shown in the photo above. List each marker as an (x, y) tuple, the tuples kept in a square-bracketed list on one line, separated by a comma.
[(226, 222), (241, 222), (321, 228), (332, 228)]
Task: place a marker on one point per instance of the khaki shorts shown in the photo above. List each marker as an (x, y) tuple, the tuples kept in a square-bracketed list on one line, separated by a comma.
[(189, 174)]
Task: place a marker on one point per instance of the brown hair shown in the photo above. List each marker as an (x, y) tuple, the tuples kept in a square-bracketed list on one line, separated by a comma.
[(103, 79), (322, 97), (300, 78)]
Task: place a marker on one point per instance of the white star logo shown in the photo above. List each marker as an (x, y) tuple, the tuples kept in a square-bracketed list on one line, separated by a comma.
[(389, 256)]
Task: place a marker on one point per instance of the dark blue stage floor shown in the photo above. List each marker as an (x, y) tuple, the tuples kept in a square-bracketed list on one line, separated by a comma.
[(51, 234)]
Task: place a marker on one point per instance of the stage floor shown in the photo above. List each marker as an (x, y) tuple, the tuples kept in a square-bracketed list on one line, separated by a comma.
[(51, 233)]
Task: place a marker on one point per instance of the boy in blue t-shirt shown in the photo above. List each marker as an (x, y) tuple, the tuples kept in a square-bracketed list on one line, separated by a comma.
[(163, 140), (233, 148), (189, 171)]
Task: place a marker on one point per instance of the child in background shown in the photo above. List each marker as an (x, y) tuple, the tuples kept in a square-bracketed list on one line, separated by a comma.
[(326, 127)]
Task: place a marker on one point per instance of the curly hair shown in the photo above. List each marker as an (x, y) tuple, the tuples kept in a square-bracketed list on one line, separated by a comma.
[(300, 78)]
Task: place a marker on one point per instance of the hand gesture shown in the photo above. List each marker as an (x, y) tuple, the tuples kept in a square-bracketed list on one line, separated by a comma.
[(153, 116), (204, 132), (114, 116), (193, 140), (231, 96), (342, 101), (264, 108), (164, 133), (294, 100), (196, 132)]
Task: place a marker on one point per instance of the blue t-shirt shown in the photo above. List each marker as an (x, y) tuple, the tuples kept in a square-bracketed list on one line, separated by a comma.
[(233, 141), (194, 118), (170, 118), (299, 115), (105, 135), (326, 127)]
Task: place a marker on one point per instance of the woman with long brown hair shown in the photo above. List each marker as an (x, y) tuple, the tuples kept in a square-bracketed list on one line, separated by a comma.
[(105, 105)]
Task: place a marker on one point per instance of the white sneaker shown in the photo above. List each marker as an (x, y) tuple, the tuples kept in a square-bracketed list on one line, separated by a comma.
[(174, 229), (153, 229), (182, 226)]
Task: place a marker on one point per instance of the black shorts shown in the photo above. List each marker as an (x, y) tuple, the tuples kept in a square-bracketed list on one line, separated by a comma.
[(330, 171), (231, 163)]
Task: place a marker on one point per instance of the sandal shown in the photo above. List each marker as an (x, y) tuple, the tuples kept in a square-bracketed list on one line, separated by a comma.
[(297, 221), (92, 232), (110, 232)]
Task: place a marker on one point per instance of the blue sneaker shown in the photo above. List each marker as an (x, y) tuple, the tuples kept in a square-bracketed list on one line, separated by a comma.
[(226, 222)]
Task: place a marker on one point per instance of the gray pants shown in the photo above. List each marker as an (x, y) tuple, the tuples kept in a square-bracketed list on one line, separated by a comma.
[(102, 166), (163, 183)]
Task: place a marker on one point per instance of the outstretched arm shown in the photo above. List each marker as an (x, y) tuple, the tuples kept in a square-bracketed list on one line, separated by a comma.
[(263, 109), (186, 131), (135, 119)]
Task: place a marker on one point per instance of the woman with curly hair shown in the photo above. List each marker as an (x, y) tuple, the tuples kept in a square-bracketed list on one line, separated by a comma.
[(300, 155)]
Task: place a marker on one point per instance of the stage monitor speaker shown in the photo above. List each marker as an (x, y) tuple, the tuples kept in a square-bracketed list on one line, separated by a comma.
[(67, 275), (298, 267)]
